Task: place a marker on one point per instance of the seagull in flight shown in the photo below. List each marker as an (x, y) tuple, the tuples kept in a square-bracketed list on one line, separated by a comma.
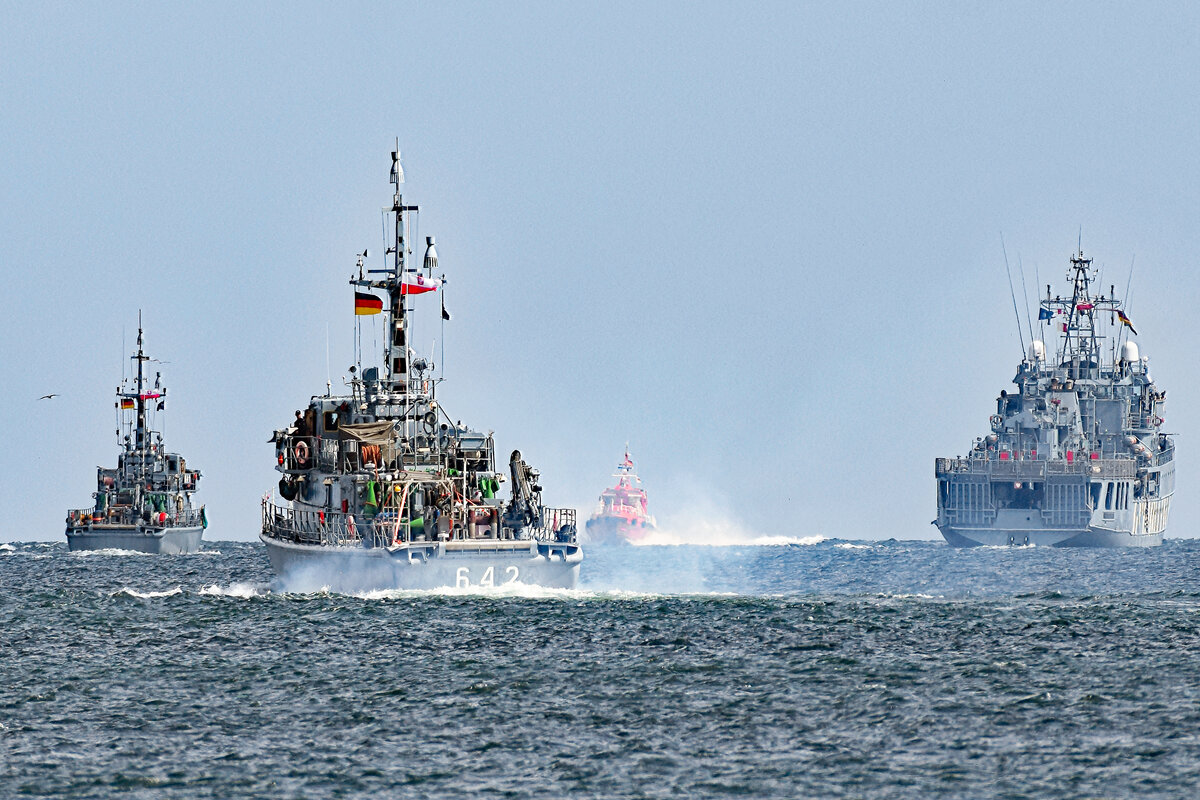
[(48, 397)]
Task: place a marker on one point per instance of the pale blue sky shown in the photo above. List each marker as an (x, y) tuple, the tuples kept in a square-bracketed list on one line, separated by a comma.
[(760, 242)]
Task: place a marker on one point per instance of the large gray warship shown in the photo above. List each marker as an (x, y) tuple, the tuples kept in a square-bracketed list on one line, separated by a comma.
[(382, 489), (145, 504), (1076, 456)]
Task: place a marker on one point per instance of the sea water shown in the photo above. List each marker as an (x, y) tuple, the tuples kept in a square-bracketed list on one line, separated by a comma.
[(790, 668)]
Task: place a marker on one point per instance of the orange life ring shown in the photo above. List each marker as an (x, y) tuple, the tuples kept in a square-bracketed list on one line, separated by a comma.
[(301, 451)]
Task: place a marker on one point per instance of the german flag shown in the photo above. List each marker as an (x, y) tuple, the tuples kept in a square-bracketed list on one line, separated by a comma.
[(1125, 321), (365, 304), (126, 402)]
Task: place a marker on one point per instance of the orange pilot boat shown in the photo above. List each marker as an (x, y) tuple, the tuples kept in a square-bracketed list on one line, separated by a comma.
[(621, 517)]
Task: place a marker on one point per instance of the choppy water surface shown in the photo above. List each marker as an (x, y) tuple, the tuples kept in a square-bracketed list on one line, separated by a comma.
[(836, 669)]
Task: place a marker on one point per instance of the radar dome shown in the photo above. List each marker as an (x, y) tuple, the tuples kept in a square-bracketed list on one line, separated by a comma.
[(1037, 350), (1129, 352)]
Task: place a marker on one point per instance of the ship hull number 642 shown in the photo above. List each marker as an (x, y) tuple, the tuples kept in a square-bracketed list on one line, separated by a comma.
[(462, 578)]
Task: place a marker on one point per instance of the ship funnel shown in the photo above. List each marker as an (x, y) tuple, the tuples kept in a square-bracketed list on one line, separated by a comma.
[(1129, 352), (1037, 350), (430, 254)]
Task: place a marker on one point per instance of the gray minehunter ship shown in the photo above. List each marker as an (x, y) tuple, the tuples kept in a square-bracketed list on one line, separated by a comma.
[(1076, 456), (145, 504), (382, 489)]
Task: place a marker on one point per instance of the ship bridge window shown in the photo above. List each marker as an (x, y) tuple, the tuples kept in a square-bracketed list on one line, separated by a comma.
[(331, 420), (1096, 494), (1019, 494), (1108, 497)]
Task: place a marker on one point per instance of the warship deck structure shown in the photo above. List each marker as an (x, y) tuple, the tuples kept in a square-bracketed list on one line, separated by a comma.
[(145, 503), (382, 489), (1077, 455)]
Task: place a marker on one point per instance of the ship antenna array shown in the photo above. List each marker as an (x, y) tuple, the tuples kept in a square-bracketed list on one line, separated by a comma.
[(1011, 291), (1128, 290), (1025, 295)]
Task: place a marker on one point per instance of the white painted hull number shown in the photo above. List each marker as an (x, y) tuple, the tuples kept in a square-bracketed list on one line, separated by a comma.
[(462, 578)]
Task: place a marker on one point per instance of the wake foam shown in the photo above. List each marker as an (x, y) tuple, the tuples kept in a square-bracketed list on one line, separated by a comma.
[(527, 591), (719, 536), (125, 590), (706, 519), (515, 589), (108, 551), (243, 591)]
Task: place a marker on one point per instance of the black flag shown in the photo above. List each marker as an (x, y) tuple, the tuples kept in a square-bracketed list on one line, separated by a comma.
[(445, 313)]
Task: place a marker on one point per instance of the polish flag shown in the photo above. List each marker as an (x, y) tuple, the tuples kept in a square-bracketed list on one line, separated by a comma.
[(415, 283)]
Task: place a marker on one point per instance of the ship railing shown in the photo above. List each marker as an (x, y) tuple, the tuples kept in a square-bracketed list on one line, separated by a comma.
[(1161, 457), (1103, 467), (419, 385), (348, 456), (558, 524), (335, 529), (1033, 469), (326, 453), (118, 515), (311, 527), (298, 453), (1142, 421)]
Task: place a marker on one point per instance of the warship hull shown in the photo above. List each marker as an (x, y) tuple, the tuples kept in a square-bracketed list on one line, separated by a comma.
[(1090, 537), (172, 541), (468, 564)]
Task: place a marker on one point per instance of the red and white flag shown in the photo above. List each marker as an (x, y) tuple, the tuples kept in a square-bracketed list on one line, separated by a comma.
[(415, 283)]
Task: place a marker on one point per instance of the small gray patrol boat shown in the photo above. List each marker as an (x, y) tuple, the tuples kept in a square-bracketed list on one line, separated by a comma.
[(382, 489), (145, 504), (1076, 456)]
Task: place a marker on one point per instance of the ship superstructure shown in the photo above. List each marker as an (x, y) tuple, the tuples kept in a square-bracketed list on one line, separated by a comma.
[(622, 515), (1077, 455), (145, 503), (382, 488)]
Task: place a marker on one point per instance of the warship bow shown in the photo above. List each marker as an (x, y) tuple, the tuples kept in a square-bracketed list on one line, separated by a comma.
[(1077, 455), (382, 489), (145, 503)]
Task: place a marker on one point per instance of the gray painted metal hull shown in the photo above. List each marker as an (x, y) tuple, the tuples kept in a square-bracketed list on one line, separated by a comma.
[(1088, 537), (350, 569), (169, 541)]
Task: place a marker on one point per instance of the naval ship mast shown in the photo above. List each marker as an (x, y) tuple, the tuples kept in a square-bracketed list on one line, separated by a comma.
[(1080, 344), (139, 449), (416, 397), (393, 284)]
